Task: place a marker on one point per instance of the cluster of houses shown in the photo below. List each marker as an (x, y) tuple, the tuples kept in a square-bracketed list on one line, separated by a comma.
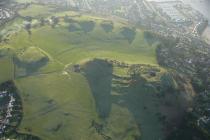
[(6, 110), (190, 56), (5, 14), (144, 13), (139, 12), (203, 121), (202, 112), (165, 18), (182, 55), (63, 3), (178, 14)]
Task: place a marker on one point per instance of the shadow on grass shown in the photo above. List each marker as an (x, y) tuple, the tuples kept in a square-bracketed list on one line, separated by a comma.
[(138, 95), (128, 33), (150, 38), (107, 26), (73, 27), (87, 26), (99, 75), (134, 98), (31, 67)]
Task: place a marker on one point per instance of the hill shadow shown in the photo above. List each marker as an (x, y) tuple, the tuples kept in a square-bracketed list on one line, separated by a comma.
[(150, 38), (133, 98), (128, 33), (149, 107), (87, 26), (107, 26), (99, 75), (31, 67)]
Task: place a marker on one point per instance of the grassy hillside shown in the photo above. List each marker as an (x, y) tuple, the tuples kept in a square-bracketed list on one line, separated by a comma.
[(57, 106), (31, 55), (68, 101), (6, 69), (123, 104), (75, 46), (103, 100)]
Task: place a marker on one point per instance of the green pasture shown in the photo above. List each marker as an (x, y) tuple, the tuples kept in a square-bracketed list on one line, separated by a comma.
[(6, 69), (57, 106), (73, 47), (61, 105)]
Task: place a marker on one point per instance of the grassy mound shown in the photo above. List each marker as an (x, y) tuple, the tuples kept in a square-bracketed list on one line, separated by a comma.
[(31, 59), (31, 55)]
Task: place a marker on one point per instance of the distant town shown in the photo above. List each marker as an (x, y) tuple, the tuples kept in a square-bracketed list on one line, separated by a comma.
[(169, 18)]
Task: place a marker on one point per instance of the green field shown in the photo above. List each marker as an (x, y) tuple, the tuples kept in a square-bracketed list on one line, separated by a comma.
[(56, 106), (76, 46), (6, 69), (61, 104)]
